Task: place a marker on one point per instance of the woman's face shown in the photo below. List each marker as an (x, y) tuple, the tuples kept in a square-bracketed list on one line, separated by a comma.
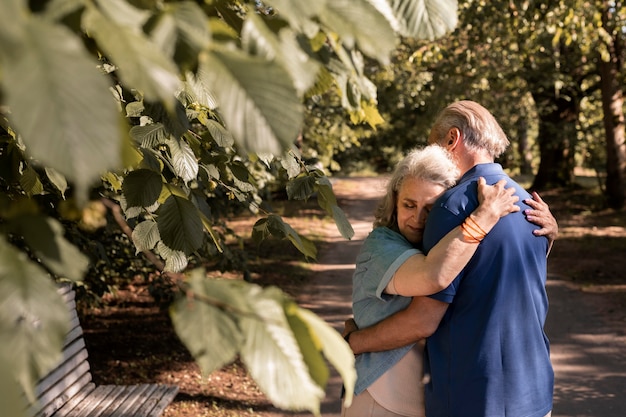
[(415, 199)]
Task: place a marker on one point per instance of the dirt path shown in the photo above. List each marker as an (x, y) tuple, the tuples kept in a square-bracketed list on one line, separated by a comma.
[(587, 331)]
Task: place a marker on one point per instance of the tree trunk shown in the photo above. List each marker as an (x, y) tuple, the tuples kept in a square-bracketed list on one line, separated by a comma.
[(612, 105), (523, 148), (557, 140)]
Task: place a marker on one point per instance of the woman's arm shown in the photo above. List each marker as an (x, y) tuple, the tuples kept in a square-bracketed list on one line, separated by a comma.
[(425, 275)]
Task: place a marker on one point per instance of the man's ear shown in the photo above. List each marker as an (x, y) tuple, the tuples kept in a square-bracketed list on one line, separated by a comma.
[(452, 138)]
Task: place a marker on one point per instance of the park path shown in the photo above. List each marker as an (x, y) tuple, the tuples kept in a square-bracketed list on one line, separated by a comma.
[(588, 341)]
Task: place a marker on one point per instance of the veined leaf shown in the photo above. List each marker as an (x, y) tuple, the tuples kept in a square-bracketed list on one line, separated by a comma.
[(301, 188), (256, 97), (198, 91), (207, 329), (272, 355), (359, 23), (149, 135), (219, 134), (300, 14), (146, 236), (124, 13), (191, 22), (180, 225), (335, 349), (33, 318), (425, 19), (30, 182), (291, 165), (141, 64), (142, 187), (175, 260), (183, 160), (71, 104), (260, 40), (309, 343)]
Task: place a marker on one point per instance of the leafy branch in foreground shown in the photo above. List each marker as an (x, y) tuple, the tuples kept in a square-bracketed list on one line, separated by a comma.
[(181, 112)]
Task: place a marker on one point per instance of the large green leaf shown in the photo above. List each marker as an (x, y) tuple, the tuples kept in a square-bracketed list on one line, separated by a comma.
[(335, 349), (60, 103), (33, 318), (300, 14), (272, 355), (360, 25), (123, 13), (142, 65), (45, 238), (425, 19), (206, 323), (191, 23), (260, 40), (327, 200), (142, 188), (180, 225), (257, 99), (301, 188), (309, 344)]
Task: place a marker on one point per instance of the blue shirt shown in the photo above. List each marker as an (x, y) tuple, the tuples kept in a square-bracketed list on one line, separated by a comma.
[(490, 356), (382, 253)]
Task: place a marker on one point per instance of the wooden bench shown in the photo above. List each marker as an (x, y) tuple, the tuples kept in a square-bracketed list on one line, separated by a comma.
[(67, 390)]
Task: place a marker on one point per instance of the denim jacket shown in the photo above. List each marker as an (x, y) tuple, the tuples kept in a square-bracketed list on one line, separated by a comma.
[(382, 253)]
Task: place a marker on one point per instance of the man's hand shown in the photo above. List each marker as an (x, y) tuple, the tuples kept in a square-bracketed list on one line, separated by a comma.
[(349, 326)]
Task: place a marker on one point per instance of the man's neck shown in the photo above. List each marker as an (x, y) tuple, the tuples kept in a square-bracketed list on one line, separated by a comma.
[(470, 161)]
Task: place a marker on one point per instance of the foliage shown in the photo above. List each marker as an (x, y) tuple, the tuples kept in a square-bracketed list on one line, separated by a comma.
[(180, 112)]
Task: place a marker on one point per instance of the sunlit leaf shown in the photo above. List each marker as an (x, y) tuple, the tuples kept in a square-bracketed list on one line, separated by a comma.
[(141, 64), (358, 23), (256, 98), (146, 235), (425, 19), (183, 160), (335, 349), (149, 135), (78, 135), (273, 357), (205, 324), (30, 182), (175, 260), (124, 13), (260, 40)]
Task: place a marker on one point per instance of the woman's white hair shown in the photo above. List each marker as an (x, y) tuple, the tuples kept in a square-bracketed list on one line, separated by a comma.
[(431, 163)]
